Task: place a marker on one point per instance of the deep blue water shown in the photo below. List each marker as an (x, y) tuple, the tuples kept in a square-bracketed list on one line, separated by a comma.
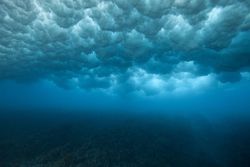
[(124, 83), (124, 139)]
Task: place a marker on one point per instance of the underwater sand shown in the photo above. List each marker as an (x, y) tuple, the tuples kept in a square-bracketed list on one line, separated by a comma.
[(120, 139)]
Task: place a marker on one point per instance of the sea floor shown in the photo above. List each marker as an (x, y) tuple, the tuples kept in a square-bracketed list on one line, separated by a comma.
[(122, 140)]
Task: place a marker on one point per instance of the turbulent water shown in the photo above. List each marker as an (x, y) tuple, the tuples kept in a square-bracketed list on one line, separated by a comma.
[(123, 139)]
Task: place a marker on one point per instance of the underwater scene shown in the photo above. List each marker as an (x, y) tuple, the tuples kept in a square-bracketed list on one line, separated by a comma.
[(124, 139), (124, 83)]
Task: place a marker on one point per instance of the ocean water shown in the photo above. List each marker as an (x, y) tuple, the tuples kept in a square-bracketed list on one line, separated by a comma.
[(124, 139), (124, 83)]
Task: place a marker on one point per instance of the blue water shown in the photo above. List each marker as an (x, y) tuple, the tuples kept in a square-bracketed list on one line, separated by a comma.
[(124, 139), (124, 83)]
